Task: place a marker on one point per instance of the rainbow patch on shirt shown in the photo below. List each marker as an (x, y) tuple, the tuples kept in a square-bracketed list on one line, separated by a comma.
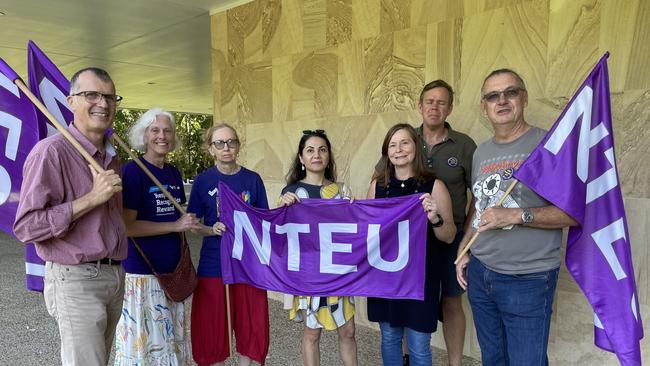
[(246, 196)]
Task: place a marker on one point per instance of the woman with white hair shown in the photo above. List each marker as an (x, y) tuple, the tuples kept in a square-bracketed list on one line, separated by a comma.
[(151, 330)]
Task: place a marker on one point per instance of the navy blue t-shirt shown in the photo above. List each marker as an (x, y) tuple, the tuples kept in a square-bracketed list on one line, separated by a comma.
[(139, 193), (203, 202)]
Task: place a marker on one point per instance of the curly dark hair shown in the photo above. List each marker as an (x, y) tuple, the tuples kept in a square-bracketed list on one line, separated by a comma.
[(296, 173)]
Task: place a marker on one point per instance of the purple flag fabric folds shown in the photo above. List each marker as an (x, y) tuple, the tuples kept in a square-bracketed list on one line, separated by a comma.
[(574, 167), (18, 133), (326, 247), (50, 86)]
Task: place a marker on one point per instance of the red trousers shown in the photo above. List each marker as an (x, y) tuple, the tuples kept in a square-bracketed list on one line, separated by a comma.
[(249, 313)]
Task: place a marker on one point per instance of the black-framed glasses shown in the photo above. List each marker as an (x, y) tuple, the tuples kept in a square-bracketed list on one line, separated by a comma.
[(509, 93), (95, 97), (313, 132), (220, 144)]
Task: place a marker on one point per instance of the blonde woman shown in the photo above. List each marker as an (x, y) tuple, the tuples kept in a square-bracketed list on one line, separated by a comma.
[(249, 307)]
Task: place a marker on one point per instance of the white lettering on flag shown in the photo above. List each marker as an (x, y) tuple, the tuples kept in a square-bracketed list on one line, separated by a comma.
[(597, 322), (588, 138), (374, 252), (5, 83), (327, 247), (263, 250), (35, 269), (581, 107), (604, 239), (5, 185), (293, 242), (606, 182), (14, 126), (50, 94)]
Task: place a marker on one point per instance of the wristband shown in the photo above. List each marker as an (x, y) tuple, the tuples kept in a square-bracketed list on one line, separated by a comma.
[(439, 223)]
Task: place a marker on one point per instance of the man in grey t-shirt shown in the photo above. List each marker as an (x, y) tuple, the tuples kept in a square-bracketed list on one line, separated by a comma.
[(512, 273)]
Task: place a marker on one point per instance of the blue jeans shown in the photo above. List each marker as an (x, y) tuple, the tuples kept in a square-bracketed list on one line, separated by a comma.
[(419, 346), (512, 314)]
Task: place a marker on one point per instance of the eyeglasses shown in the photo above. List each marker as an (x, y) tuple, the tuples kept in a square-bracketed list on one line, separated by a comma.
[(220, 144), (95, 97), (509, 93), (313, 132)]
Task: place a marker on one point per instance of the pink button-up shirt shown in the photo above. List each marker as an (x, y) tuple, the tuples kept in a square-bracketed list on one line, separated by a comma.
[(54, 175)]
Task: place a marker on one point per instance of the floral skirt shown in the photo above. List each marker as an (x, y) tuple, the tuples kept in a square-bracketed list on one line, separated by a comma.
[(329, 312), (151, 330)]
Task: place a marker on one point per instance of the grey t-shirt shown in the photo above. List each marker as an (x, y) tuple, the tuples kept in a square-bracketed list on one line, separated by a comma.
[(518, 249)]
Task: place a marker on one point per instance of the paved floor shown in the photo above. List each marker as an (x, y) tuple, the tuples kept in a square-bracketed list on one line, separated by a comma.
[(29, 336)]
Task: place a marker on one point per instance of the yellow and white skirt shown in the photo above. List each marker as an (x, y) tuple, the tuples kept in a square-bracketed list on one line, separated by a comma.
[(328, 312), (151, 330)]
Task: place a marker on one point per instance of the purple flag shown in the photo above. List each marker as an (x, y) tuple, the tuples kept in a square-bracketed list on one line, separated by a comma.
[(326, 247), (18, 133), (574, 167), (50, 86)]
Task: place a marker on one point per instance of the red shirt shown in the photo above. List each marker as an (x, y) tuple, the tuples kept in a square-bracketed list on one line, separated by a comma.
[(54, 175)]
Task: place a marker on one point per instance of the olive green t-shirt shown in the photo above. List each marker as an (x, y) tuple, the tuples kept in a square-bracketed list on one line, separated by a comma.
[(451, 161)]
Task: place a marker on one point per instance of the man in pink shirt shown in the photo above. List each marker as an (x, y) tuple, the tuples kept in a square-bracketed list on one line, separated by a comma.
[(73, 215)]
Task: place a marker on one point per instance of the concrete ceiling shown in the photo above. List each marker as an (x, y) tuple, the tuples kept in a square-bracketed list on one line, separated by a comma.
[(157, 51)]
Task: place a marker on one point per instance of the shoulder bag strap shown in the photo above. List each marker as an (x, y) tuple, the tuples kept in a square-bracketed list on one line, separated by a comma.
[(144, 256)]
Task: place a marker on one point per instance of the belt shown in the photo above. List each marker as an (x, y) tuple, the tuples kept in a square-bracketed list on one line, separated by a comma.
[(109, 261)]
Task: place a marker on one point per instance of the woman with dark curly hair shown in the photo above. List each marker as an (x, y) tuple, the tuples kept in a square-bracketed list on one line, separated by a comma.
[(313, 175)]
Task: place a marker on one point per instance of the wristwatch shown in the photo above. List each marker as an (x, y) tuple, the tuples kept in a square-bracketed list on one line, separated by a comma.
[(527, 216), (438, 223)]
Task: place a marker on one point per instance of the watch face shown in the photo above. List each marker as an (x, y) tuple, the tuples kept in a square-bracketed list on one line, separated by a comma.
[(527, 216)]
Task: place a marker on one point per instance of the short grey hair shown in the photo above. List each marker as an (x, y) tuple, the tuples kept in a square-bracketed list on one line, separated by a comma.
[(99, 73), (504, 71), (136, 133)]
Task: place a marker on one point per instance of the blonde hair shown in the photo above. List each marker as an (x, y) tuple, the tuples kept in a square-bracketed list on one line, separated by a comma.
[(207, 135)]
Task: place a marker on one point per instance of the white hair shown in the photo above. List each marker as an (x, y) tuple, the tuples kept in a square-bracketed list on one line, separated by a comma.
[(136, 133)]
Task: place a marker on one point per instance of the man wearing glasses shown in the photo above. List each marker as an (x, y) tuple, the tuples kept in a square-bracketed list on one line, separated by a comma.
[(74, 216), (512, 271)]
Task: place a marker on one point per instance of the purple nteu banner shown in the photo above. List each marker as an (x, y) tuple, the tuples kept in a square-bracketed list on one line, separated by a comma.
[(574, 167), (326, 247)]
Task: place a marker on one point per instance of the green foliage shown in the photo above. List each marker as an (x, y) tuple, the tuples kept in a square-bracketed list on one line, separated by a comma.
[(190, 159)]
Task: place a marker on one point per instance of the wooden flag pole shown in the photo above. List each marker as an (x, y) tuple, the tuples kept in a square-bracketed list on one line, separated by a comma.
[(229, 321), (146, 170), (473, 239), (64, 131), (227, 300)]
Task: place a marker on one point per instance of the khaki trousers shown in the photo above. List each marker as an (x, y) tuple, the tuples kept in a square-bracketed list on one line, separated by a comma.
[(86, 301)]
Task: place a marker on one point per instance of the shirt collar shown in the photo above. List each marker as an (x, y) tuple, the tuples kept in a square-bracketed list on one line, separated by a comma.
[(86, 144), (451, 134)]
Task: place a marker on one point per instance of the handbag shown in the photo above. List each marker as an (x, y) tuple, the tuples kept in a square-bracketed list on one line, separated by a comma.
[(180, 284)]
